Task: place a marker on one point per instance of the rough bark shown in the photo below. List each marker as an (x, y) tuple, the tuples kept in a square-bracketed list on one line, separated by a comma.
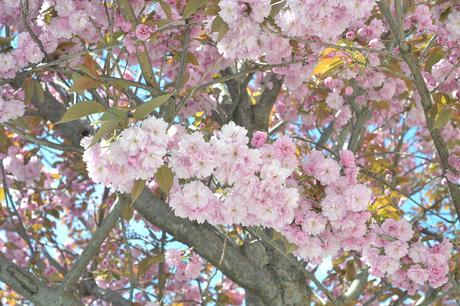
[(254, 117), (31, 287), (210, 244)]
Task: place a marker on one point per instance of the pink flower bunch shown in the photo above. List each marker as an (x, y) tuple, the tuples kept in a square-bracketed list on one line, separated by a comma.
[(135, 155), (244, 186), (324, 19), (390, 252), (186, 269), (26, 53), (10, 109), (338, 221), (259, 139), (24, 172), (453, 25), (243, 19), (143, 32)]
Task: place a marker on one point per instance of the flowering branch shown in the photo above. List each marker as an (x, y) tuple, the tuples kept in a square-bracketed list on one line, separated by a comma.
[(94, 244), (425, 96), (31, 287)]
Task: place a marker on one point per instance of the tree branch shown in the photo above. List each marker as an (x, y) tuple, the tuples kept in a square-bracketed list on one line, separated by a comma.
[(210, 245), (95, 243), (31, 287), (425, 97), (142, 55)]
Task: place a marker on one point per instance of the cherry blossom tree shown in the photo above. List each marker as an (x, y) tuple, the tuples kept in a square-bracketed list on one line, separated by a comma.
[(229, 152)]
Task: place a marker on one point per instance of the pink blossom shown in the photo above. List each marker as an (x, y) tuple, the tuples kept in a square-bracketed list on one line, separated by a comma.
[(258, 139), (327, 171), (143, 31), (418, 252), (418, 275), (396, 249), (347, 158), (334, 100), (398, 229)]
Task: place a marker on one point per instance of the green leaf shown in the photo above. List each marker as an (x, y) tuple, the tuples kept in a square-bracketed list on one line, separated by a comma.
[(3, 140), (166, 8), (276, 7), (146, 263), (39, 91), (81, 109), (5, 41), (28, 91), (164, 178), (436, 54), (138, 187), (106, 128), (120, 83), (145, 109), (192, 6), (128, 212), (442, 118), (83, 82), (191, 59), (220, 26), (114, 113), (445, 14)]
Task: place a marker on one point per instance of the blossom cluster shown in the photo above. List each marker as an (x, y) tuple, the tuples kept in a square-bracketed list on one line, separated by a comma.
[(185, 270), (390, 252), (10, 109), (324, 19), (336, 221), (224, 179), (20, 169), (27, 52), (135, 155), (246, 185)]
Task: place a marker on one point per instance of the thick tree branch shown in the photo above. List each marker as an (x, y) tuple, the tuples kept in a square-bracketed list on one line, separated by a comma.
[(31, 287), (255, 117), (356, 287), (210, 245), (89, 287), (53, 110)]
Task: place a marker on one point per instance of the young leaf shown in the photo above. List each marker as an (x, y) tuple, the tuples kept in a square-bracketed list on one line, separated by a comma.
[(80, 110), (436, 54), (83, 82), (120, 83), (106, 128), (3, 140), (166, 8), (114, 113), (28, 91), (192, 6), (91, 66), (127, 212), (146, 108), (192, 59), (137, 190), (442, 118), (146, 263), (220, 26), (38, 89), (164, 178)]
